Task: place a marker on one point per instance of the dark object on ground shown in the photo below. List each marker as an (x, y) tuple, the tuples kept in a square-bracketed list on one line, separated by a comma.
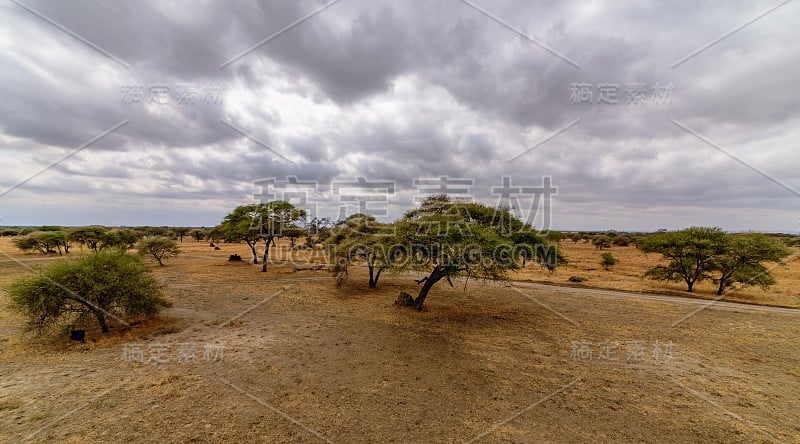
[(212, 244), (77, 335), (234, 258), (576, 279), (217, 248), (404, 300)]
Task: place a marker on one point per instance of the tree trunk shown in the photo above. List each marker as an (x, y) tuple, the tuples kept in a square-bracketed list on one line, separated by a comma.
[(266, 254), (101, 319), (435, 276), (722, 280), (690, 284), (253, 250), (377, 276)]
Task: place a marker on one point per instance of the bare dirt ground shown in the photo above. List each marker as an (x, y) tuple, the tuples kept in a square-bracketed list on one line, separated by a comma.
[(286, 356)]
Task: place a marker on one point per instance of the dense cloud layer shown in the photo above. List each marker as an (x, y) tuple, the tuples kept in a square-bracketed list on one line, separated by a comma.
[(399, 91)]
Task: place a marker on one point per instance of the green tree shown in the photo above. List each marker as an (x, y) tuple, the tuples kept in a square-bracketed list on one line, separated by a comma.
[(49, 228), (28, 243), (106, 286), (360, 235), (621, 240), (44, 242), (55, 239), (198, 234), (241, 225), (180, 232), (448, 239), (691, 253), (272, 219), (90, 236), (602, 241), (120, 238), (607, 260), (293, 233), (159, 247), (742, 260), (264, 221)]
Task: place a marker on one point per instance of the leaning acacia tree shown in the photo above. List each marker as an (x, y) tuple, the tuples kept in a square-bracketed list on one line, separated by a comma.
[(241, 225), (106, 286), (449, 239)]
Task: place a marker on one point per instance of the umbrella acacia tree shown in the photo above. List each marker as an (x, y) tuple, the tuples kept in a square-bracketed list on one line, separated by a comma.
[(263, 221), (360, 235), (449, 239), (742, 260), (691, 253)]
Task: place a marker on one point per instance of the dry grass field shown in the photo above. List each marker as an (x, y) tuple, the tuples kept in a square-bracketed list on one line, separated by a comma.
[(628, 275), (286, 356)]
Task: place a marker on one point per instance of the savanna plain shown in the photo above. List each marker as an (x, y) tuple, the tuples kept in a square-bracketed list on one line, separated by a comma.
[(288, 356)]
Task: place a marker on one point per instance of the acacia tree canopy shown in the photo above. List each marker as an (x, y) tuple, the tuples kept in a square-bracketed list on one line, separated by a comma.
[(361, 235), (448, 239), (263, 221), (690, 253), (742, 257), (107, 286)]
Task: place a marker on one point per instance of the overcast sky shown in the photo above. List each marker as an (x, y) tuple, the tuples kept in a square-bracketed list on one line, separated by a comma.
[(165, 113)]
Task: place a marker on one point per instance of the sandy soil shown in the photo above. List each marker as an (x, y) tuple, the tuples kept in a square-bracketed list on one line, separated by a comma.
[(288, 357)]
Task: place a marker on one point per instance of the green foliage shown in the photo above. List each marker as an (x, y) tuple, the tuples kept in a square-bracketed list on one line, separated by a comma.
[(554, 236), (91, 236), (44, 242), (293, 233), (690, 252), (198, 234), (360, 236), (159, 247), (742, 257), (265, 222), (607, 260), (106, 285), (218, 233), (448, 239), (621, 240), (602, 241), (28, 243), (180, 232), (121, 238)]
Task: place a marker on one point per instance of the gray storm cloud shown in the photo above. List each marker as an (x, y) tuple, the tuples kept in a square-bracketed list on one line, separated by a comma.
[(397, 91)]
